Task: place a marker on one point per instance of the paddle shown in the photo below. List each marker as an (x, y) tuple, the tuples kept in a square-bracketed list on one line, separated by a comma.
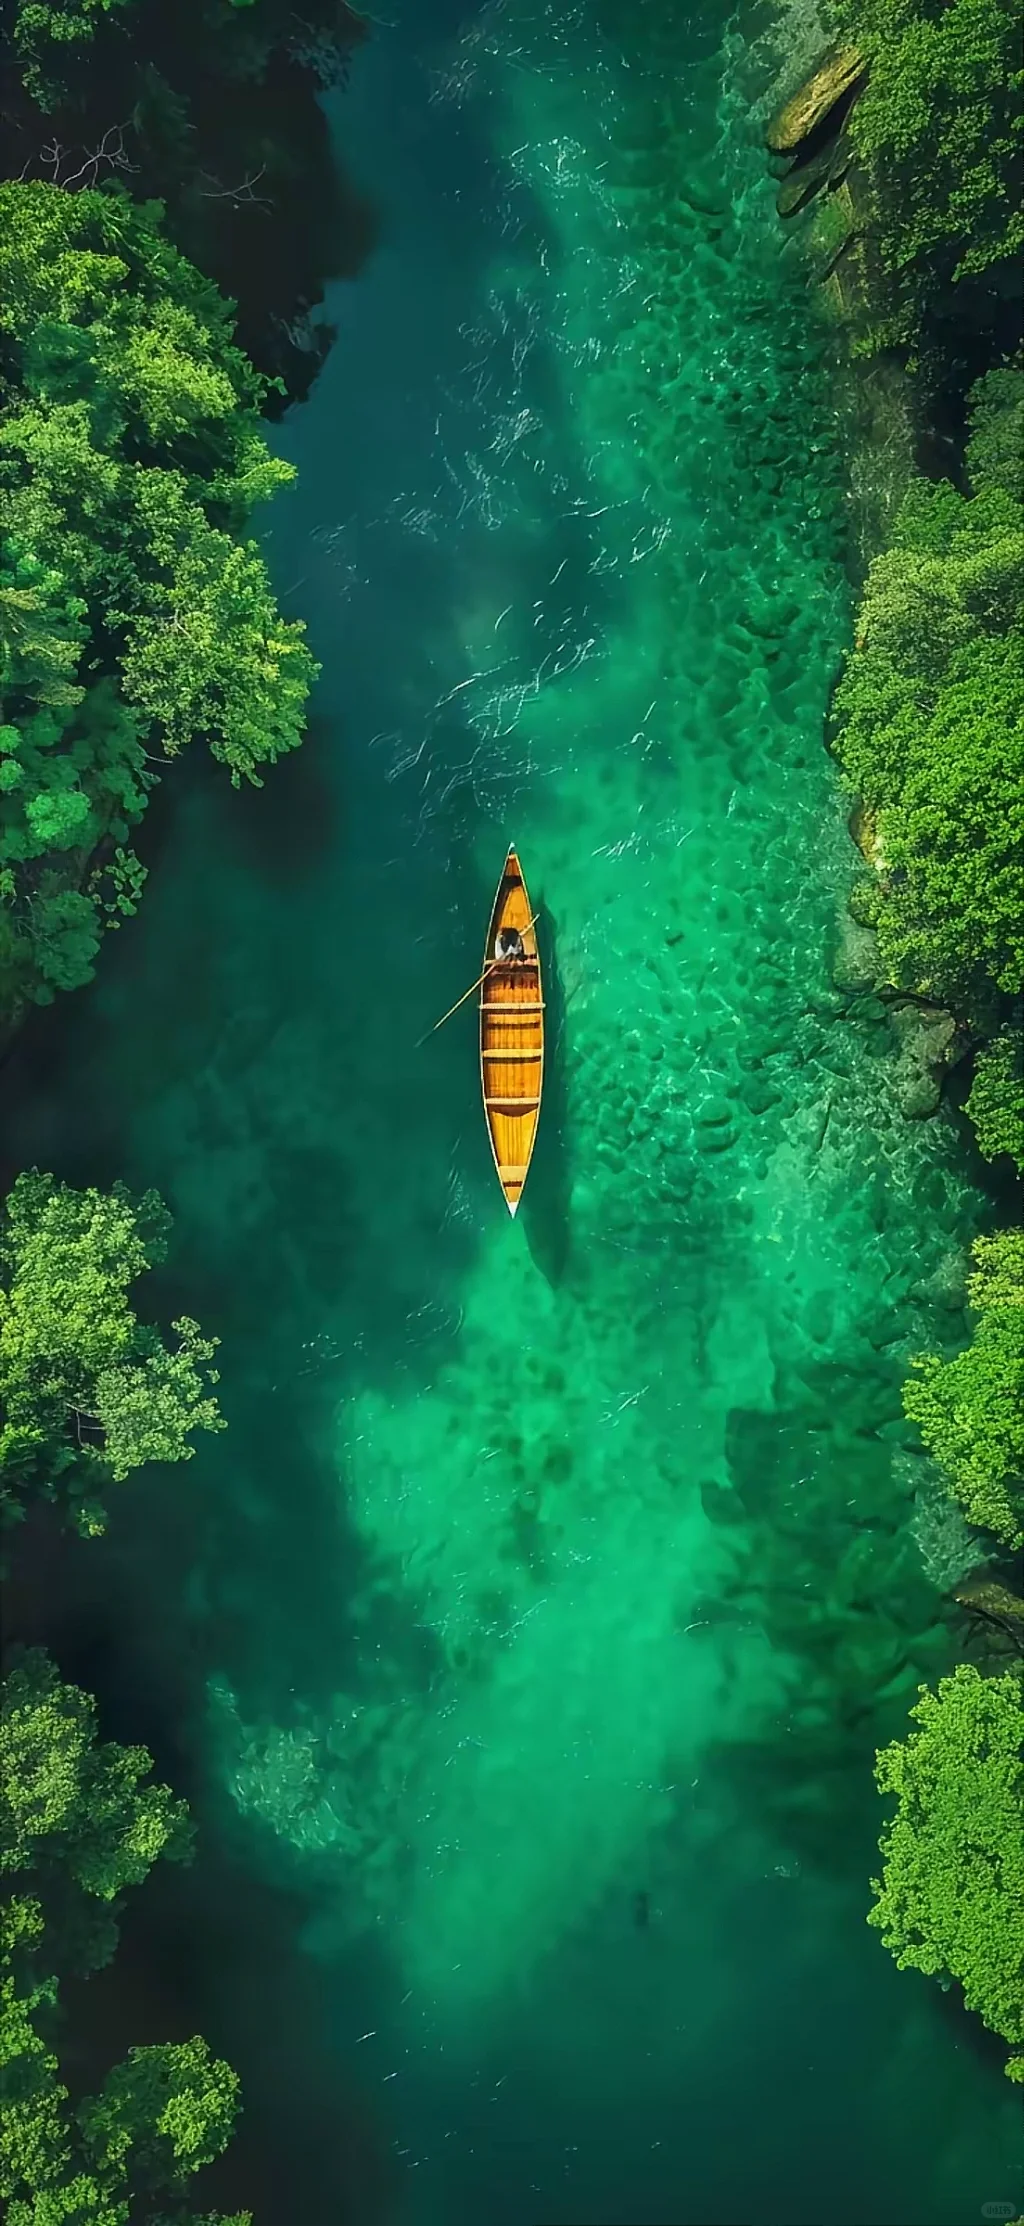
[(488, 969)]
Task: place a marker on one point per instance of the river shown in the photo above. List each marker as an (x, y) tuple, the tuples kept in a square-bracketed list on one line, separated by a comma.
[(525, 1641)]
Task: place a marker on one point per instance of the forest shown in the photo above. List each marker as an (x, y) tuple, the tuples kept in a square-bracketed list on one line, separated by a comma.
[(929, 736), (138, 618)]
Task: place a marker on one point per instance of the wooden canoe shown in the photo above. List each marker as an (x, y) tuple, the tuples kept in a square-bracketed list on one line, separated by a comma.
[(512, 1037)]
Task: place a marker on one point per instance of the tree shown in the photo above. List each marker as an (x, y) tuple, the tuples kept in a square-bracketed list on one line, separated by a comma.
[(951, 1898), (996, 1102), (931, 737), (171, 2108), (970, 1410), (135, 613), (49, 36), (995, 450), (939, 126), (88, 1392), (78, 1825), (78, 1819), (158, 2118), (210, 653)]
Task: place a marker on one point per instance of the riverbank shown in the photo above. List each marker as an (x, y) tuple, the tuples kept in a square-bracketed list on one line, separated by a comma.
[(928, 728)]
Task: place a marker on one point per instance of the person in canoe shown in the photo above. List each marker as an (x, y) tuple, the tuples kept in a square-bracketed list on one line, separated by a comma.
[(509, 944)]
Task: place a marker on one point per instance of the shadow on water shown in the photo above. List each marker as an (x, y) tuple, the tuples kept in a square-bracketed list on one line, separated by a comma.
[(286, 832), (323, 2156), (546, 1199)]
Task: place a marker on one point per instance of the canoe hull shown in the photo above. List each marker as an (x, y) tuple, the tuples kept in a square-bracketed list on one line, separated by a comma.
[(512, 1037)]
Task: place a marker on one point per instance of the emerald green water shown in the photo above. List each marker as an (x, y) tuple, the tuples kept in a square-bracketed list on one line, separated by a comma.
[(525, 1641)]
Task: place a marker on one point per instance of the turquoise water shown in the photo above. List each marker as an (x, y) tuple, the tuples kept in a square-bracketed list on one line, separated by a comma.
[(525, 1642)]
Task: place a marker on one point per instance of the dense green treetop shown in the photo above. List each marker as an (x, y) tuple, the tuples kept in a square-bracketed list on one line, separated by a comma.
[(996, 1102), (995, 448), (87, 1391), (79, 1821), (941, 127), (50, 35), (970, 1410), (134, 615), (120, 2158), (951, 1898), (931, 723), (131, 444)]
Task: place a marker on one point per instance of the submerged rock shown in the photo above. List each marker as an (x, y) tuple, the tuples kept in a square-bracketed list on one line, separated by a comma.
[(856, 961), (838, 75), (926, 1036)]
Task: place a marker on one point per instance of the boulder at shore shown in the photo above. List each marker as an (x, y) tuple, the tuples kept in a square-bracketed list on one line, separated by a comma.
[(815, 101)]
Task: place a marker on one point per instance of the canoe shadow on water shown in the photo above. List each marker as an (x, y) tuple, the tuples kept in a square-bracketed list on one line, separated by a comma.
[(545, 1208)]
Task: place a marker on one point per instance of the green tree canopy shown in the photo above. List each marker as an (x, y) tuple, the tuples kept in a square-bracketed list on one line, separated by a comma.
[(940, 127), (79, 1822), (87, 1391), (951, 1898), (970, 1410), (135, 615), (995, 450), (931, 732), (49, 36), (996, 1102), (158, 2118)]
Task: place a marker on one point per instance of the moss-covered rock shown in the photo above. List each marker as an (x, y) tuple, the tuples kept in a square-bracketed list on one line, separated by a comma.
[(809, 109)]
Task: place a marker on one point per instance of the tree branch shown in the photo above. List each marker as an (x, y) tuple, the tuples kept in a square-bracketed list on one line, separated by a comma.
[(241, 195)]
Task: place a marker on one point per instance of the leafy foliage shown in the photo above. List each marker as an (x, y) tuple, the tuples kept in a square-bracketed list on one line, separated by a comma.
[(995, 450), (931, 711), (133, 615), (996, 1102), (88, 1391), (951, 1898), (172, 2108), (49, 36), (55, 40), (970, 1410), (79, 1825), (77, 1815), (159, 2116), (940, 127)]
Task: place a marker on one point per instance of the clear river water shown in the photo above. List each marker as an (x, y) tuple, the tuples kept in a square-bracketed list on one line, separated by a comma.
[(525, 1641)]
